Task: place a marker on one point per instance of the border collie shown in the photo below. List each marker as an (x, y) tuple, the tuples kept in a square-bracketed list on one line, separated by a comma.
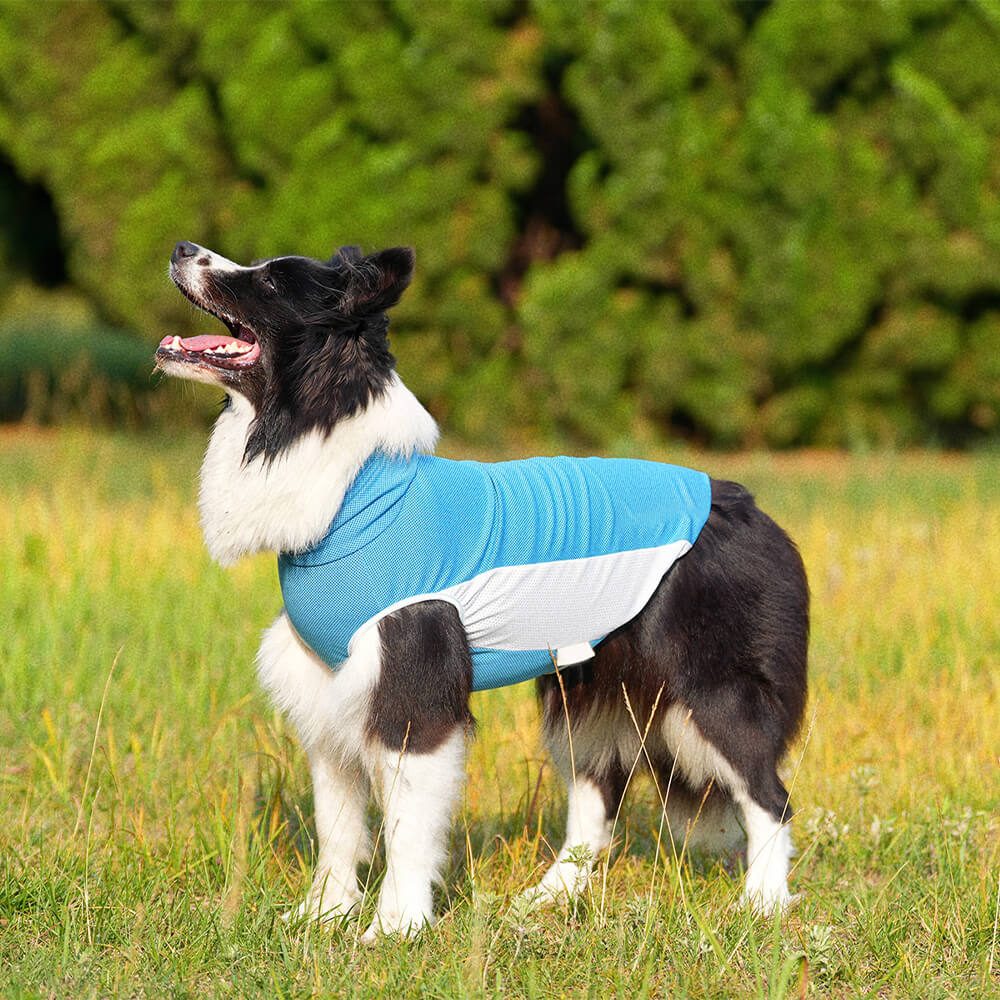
[(665, 616)]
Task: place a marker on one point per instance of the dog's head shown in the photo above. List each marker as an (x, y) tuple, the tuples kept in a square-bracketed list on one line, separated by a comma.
[(306, 341)]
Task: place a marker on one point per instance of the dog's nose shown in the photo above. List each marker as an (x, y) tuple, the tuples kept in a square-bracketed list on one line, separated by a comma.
[(183, 250)]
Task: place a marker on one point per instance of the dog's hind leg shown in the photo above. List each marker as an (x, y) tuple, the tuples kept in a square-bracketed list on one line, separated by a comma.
[(754, 787), (592, 804), (585, 747), (769, 853), (728, 632)]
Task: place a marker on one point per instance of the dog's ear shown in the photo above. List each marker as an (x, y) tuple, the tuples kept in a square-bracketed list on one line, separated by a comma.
[(376, 282)]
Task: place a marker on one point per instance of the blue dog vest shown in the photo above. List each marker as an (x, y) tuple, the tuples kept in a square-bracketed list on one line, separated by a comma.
[(542, 557)]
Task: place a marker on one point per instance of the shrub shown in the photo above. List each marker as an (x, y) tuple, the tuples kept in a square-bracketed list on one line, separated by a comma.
[(747, 223), (49, 372)]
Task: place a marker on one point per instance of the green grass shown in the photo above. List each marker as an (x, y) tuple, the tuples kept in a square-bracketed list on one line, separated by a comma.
[(155, 812)]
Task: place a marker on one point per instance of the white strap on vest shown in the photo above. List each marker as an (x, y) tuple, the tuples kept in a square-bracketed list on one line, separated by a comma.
[(578, 652)]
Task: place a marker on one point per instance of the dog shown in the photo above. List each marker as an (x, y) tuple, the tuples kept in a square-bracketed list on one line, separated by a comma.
[(665, 616)]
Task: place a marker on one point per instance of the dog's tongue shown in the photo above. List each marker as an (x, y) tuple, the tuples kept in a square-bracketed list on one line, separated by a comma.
[(206, 342)]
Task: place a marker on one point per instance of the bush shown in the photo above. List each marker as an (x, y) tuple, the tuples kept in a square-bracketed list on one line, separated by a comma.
[(50, 372), (747, 223)]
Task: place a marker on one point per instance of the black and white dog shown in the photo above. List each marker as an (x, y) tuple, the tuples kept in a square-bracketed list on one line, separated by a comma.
[(704, 684)]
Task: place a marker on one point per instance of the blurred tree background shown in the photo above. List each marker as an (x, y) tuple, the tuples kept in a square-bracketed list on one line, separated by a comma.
[(744, 223)]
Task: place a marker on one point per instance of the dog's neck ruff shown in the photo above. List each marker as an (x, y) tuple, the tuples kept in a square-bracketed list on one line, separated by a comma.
[(542, 558), (288, 504)]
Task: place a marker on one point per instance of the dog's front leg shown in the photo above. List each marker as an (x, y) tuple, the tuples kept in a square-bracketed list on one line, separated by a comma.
[(418, 793), (340, 794), (417, 726), (328, 707)]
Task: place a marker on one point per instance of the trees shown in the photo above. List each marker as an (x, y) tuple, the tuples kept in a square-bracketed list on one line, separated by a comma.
[(743, 222)]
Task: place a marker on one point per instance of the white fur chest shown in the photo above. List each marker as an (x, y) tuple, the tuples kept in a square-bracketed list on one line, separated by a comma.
[(287, 504)]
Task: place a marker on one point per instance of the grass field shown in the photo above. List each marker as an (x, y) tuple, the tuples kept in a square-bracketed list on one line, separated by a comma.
[(155, 812)]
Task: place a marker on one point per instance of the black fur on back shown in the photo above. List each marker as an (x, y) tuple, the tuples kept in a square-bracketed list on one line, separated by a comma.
[(724, 635)]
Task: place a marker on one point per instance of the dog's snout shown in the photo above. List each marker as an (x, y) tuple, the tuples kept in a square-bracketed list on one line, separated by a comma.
[(183, 250)]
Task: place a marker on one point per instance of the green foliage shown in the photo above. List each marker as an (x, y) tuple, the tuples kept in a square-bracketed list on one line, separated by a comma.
[(46, 371), (748, 223), (58, 361)]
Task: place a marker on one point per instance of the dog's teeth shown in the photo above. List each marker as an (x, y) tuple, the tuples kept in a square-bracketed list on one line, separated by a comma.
[(175, 344), (220, 351)]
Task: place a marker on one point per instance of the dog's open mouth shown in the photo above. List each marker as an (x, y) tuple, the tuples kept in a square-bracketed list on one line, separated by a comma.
[(238, 350), (216, 349)]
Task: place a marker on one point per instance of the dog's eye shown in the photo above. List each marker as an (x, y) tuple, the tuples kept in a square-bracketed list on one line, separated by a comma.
[(267, 281)]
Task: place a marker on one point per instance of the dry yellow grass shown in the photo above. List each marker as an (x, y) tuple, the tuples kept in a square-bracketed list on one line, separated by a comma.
[(153, 824)]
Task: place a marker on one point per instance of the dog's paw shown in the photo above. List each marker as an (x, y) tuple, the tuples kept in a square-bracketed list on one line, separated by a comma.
[(323, 909), (542, 895), (561, 883), (395, 925), (766, 905)]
